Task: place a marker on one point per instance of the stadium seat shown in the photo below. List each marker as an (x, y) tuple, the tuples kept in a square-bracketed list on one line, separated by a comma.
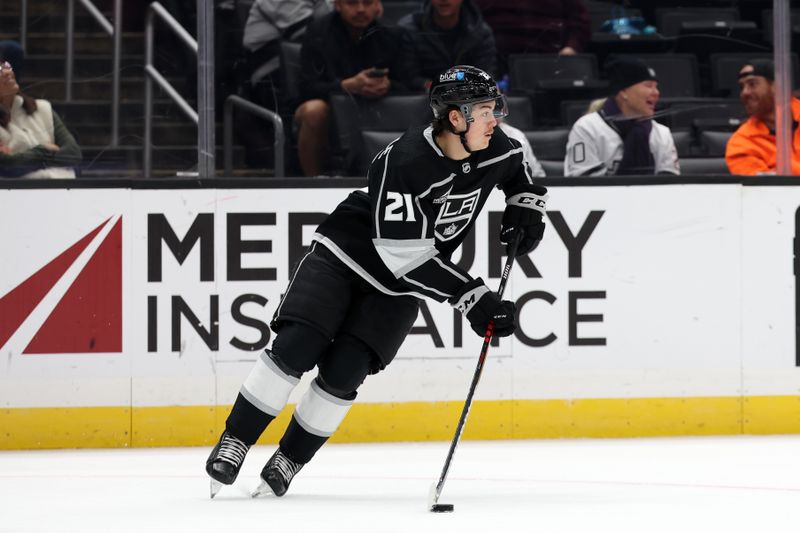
[(705, 114), (683, 142), (551, 78), (572, 110), (528, 72), (694, 166), (374, 142), (669, 20), (352, 115), (725, 71), (766, 23), (520, 112), (714, 142), (552, 168), (678, 75), (548, 144), (290, 73)]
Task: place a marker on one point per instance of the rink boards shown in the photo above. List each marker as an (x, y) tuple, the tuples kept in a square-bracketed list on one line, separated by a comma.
[(130, 317)]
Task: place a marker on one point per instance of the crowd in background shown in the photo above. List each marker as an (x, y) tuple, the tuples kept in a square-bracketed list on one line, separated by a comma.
[(353, 47)]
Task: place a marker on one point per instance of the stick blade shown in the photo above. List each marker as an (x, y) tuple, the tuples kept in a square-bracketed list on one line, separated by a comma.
[(442, 508), (433, 502)]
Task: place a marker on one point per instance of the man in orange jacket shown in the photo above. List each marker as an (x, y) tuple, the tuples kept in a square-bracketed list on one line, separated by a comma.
[(751, 149)]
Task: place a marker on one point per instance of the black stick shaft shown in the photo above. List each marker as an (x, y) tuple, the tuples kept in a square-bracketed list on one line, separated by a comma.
[(487, 339)]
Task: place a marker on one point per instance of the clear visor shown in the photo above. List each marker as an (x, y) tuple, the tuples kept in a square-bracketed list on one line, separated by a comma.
[(482, 113)]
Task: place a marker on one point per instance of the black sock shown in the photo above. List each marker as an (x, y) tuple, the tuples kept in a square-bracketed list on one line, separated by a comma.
[(246, 421), (300, 445)]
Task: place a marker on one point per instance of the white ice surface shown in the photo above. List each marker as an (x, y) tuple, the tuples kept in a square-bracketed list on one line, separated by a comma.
[(709, 485)]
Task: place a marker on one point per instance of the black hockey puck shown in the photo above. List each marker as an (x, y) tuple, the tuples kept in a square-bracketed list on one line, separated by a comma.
[(442, 508)]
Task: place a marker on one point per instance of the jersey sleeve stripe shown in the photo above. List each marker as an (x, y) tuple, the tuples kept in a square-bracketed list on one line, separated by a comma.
[(499, 158), (456, 273), (426, 288)]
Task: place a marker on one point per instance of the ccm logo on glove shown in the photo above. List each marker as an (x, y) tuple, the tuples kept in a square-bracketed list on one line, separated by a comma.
[(529, 200), (523, 214), (480, 305)]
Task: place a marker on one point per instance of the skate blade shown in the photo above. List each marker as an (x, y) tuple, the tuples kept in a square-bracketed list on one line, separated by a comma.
[(262, 489), (214, 487)]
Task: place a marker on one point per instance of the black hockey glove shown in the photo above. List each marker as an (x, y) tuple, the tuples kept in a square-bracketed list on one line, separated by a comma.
[(525, 208), (480, 305)]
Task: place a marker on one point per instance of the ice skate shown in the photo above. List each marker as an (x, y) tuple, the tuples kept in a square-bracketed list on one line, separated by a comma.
[(277, 474), (225, 461)]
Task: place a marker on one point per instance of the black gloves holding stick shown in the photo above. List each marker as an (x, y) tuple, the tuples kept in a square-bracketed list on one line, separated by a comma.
[(524, 211)]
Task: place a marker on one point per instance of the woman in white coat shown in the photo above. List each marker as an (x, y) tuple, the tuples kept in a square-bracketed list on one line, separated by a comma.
[(622, 137), (34, 143)]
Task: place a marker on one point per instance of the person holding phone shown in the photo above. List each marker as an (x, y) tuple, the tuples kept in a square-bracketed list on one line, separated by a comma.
[(347, 50)]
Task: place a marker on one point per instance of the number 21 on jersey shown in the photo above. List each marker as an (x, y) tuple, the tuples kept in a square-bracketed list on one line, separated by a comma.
[(399, 207)]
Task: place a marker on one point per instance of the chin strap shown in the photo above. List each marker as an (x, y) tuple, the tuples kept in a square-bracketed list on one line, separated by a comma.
[(466, 110), (462, 136)]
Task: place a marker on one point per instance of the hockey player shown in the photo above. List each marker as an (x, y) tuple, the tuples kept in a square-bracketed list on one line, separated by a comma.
[(622, 137), (354, 296)]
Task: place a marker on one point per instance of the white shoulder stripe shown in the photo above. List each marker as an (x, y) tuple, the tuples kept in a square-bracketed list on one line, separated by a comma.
[(355, 267), (494, 160), (437, 184), (428, 133)]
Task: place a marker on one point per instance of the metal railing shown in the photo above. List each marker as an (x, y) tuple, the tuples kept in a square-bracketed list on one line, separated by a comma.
[(151, 75), (23, 24), (783, 85), (237, 101), (115, 31)]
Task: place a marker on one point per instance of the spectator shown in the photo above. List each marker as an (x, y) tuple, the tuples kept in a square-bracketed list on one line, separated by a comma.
[(622, 137), (34, 143), (528, 157), (752, 148), (268, 23), (347, 50), (446, 33), (536, 27)]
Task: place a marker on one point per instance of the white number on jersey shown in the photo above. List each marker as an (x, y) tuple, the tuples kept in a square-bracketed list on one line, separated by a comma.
[(397, 204)]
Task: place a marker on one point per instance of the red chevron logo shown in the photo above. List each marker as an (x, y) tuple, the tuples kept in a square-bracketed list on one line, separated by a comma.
[(87, 318)]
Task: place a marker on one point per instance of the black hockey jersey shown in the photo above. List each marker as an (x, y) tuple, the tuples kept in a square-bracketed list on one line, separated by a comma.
[(419, 207)]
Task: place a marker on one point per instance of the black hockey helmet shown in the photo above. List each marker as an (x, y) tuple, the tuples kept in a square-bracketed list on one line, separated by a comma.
[(462, 86)]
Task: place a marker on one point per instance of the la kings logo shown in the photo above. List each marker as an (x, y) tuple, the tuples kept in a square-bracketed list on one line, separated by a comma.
[(456, 214)]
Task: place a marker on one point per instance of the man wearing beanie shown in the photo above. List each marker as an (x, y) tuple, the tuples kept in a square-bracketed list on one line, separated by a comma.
[(752, 149), (622, 138)]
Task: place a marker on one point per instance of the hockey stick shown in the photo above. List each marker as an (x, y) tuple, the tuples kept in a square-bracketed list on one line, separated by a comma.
[(436, 490)]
